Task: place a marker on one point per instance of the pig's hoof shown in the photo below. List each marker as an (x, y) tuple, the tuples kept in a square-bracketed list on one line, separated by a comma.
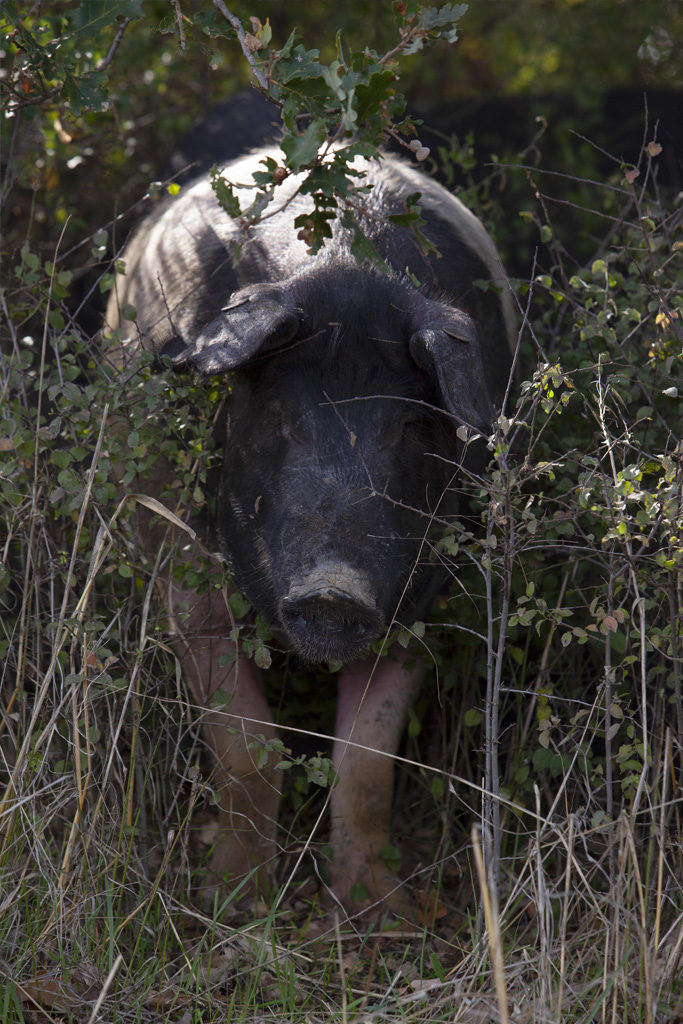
[(234, 892), (386, 903), (377, 917), (393, 913)]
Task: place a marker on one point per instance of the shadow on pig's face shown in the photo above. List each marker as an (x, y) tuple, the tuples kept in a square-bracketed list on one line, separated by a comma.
[(329, 484)]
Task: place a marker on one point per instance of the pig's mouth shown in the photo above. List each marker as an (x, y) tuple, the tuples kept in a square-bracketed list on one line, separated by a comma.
[(330, 614)]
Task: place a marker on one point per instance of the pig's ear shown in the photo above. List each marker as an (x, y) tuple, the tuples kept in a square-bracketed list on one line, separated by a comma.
[(449, 351), (255, 320)]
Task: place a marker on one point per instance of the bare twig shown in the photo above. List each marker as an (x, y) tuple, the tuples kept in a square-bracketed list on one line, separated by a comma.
[(179, 20), (240, 33), (106, 61), (407, 37)]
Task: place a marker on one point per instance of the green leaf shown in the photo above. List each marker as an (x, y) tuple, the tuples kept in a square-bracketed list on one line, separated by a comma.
[(224, 193), (262, 656), (298, 64), (373, 92), (332, 77), (239, 605), (437, 788), (391, 856), (414, 724), (358, 893), (439, 22), (301, 150), (363, 249), (473, 717)]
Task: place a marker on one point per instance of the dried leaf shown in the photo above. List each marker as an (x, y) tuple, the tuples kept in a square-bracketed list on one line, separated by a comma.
[(51, 992), (251, 42), (156, 506)]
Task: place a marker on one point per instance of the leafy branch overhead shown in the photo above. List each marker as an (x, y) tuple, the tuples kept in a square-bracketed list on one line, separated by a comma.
[(331, 114), (69, 62)]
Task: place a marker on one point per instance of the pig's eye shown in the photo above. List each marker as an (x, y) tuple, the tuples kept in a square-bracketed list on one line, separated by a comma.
[(411, 423), (410, 419), (401, 428)]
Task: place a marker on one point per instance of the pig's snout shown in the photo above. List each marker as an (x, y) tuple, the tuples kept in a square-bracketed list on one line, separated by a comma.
[(330, 613)]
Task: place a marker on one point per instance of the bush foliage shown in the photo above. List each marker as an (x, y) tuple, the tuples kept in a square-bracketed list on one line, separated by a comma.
[(556, 654)]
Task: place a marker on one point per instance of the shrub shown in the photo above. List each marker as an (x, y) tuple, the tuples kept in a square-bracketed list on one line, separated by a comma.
[(557, 655)]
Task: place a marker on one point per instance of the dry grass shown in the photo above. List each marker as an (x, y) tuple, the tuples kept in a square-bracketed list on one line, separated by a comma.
[(559, 712), (99, 919)]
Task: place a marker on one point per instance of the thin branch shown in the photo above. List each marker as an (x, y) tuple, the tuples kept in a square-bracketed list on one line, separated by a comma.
[(239, 30), (179, 19), (106, 61), (407, 37)]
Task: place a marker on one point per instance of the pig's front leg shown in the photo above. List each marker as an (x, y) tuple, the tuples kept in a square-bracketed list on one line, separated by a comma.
[(361, 800), (228, 689)]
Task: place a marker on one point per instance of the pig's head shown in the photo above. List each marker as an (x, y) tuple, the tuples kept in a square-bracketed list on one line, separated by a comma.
[(347, 388)]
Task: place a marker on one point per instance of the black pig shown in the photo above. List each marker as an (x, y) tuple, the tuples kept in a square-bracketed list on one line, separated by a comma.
[(341, 445)]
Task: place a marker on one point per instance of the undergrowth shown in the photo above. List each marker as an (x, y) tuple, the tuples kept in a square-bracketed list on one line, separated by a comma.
[(542, 766)]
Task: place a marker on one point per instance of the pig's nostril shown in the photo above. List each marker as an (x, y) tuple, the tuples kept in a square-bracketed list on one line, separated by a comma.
[(329, 624)]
